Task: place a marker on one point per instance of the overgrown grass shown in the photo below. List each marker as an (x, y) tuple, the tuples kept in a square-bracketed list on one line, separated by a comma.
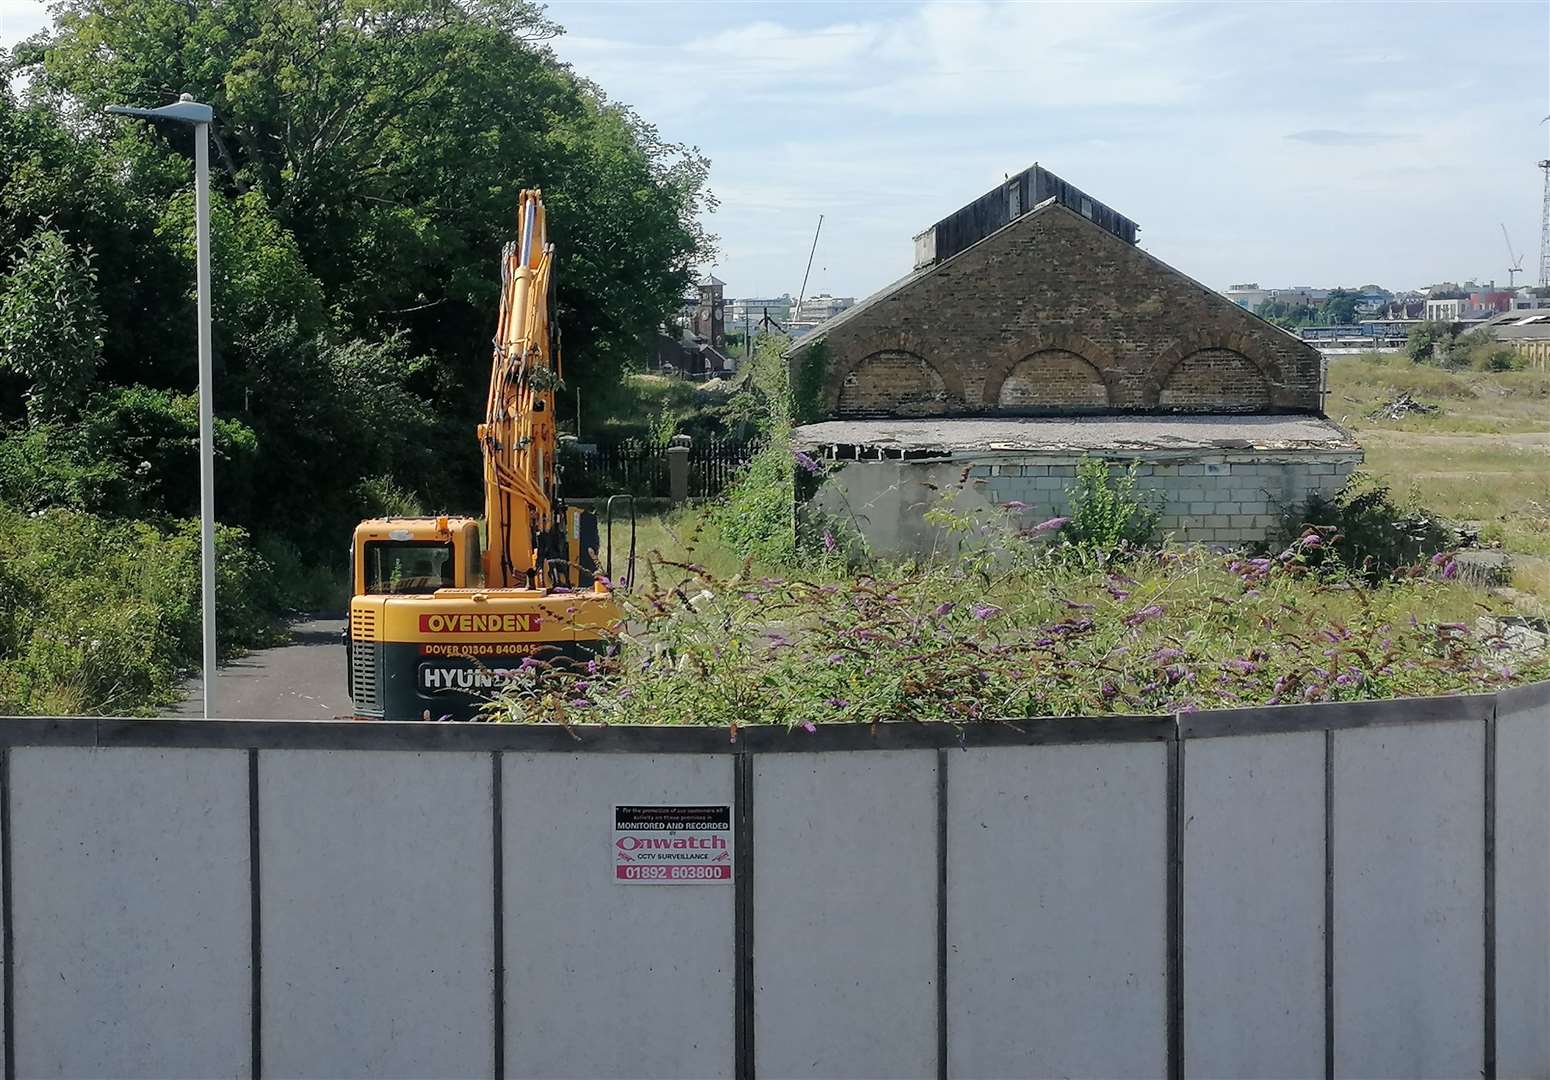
[(1470, 401), (1484, 457), (102, 617), (1025, 629)]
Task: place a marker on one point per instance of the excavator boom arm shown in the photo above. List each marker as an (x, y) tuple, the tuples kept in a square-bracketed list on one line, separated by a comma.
[(518, 438)]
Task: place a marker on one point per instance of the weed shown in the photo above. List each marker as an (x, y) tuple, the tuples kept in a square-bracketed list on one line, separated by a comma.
[(1108, 512)]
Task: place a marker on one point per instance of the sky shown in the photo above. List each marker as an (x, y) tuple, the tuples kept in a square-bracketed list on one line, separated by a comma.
[(1280, 143)]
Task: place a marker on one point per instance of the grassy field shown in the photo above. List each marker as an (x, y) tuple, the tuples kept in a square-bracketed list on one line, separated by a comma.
[(1484, 456)]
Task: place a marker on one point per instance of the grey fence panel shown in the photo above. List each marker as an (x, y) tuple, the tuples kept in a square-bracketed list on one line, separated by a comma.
[(1253, 849), (606, 979), (1409, 900), (376, 904), (845, 898), (1057, 911), (1523, 883), (129, 898)]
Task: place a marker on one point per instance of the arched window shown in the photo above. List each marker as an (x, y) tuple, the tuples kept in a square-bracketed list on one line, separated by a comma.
[(1055, 379), (1215, 380), (895, 383)]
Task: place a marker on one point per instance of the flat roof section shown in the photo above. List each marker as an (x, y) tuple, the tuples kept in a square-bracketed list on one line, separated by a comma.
[(1078, 435)]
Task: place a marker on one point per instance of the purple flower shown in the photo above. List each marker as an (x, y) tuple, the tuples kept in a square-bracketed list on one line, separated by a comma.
[(1241, 666), (591, 667), (805, 463), (828, 542), (1052, 523), (983, 611), (1146, 614), (1311, 540), (1163, 656), (809, 727), (1015, 504), (1450, 570), (837, 703), (944, 609), (835, 658)]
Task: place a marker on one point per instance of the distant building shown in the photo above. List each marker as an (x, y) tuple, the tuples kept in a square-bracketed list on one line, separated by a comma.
[(709, 324), (1492, 302), (697, 345), (1032, 332), (814, 311), (1371, 299), (1528, 336), (1445, 310), (1524, 300), (1251, 296), (1404, 307), (1248, 296), (750, 314)]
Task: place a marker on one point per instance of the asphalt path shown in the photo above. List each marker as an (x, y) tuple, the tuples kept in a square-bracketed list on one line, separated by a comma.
[(301, 680)]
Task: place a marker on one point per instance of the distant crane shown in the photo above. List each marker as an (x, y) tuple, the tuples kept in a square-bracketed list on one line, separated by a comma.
[(1544, 231), (1514, 260), (1544, 227)]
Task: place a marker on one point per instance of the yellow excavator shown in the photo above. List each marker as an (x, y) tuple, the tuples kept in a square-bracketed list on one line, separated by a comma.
[(438, 623)]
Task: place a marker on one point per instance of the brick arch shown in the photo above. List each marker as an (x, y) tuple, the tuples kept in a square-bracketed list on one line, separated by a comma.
[(1053, 379), (846, 354), (1216, 380), (1047, 339), (1247, 349), (895, 382)]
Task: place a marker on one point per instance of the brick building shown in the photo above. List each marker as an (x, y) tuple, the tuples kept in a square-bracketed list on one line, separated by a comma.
[(1033, 312)]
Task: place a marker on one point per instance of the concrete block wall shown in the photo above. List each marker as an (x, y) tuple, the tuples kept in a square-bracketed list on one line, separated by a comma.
[(1231, 497), (1220, 499)]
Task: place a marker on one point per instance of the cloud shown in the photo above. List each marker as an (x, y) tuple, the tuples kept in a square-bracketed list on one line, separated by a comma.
[(20, 19), (1336, 137)]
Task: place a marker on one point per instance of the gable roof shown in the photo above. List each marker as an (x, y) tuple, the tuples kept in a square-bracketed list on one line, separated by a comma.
[(1047, 207)]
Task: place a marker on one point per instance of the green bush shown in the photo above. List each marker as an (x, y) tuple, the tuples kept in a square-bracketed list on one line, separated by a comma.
[(98, 616), (50, 323), (807, 382), (1499, 358), (1428, 342), (757, 515), (1365, 531), (1108, 512)]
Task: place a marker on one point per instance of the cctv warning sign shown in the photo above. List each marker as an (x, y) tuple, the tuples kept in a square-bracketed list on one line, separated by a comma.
[(672, 845)]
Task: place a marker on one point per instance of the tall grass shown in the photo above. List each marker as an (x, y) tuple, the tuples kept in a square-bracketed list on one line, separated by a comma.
[(1021, 629), (103, 617)]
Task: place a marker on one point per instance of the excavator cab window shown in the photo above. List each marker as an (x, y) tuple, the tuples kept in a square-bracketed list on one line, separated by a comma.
[(408, 567)]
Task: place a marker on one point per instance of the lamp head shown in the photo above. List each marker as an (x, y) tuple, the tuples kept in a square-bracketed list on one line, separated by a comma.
[(185, 109)]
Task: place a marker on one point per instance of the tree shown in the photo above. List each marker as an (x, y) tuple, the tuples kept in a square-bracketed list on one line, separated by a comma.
[(1339, 308), (1425, 339), (391, 137), (50, 325), (367, 157)]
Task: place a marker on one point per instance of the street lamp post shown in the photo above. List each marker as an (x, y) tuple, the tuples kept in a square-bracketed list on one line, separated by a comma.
[(188, 111)]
